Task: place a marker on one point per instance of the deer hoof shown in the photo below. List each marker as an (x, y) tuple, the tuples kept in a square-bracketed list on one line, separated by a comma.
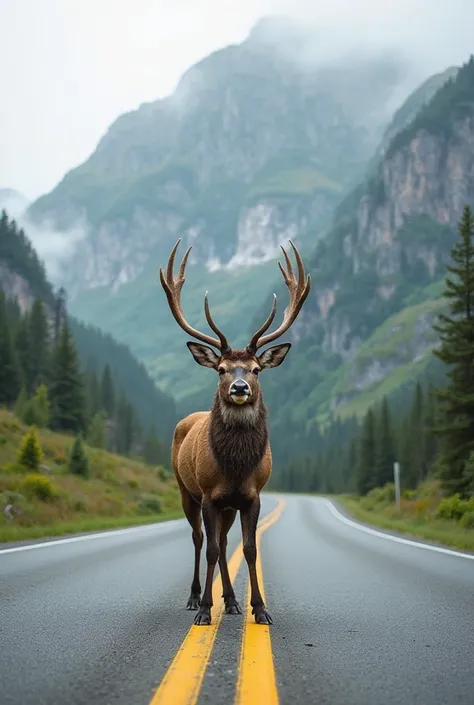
[(262, 616), (203, 617), (193, 602), (232, 607)]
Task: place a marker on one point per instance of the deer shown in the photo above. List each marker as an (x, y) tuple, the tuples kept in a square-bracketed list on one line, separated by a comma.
[(222, 457)]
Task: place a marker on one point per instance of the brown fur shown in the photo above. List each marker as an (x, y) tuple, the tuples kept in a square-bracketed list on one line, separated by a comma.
[(222, 457)]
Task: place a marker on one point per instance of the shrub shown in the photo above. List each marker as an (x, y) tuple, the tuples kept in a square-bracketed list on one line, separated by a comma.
[(36, 485), (454, 507), (467, 520), (162, 473), (30, 452), (78, 463), (133, 483), (11, 497), (149, 504), (383, 495)]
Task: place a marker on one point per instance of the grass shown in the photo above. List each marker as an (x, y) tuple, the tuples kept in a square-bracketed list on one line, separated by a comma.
[(119, 491), (417, 518), (293, 182)]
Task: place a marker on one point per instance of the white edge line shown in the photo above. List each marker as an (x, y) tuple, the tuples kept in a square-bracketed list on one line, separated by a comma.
[(389, 537), (90, 537)]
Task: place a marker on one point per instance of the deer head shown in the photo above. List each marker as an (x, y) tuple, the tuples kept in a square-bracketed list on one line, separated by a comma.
[(238, 369)]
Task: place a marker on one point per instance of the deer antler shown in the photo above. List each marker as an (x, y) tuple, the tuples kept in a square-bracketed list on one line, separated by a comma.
[(299, 290), (172, 287)]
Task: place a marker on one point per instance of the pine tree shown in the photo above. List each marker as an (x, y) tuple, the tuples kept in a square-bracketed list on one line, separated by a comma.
[(457, 351), (152, 450), (67, 387), (30, 452), (24, 352), (107, 393), (39, 343), (94, 404), (21, 404), (365, 476), (41, 406), (9, 372), (78, 463), (385, 450), (96, 431)]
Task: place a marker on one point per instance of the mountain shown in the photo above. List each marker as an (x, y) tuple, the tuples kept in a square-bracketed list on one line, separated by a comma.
[(259, 143), (14, 202), (23, 278), (366, 328)]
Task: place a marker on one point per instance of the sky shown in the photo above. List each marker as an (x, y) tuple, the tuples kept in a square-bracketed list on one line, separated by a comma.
[(69, 68)]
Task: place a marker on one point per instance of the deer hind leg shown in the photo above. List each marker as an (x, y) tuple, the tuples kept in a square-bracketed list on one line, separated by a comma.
[(249, 519), (193, 514), (231, 604), (211, 524)]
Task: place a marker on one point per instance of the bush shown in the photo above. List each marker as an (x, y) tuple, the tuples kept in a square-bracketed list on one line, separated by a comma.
[(382, 495), (133, 484), (78, 463), (36, 485), (454, 507), (30, 453), (149, 504), (467, 520), (10, 497)]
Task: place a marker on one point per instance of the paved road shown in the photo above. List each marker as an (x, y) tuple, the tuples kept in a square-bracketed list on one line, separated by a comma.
[(358, 619)]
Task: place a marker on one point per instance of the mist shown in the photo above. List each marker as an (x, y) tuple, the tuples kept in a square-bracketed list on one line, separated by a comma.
[(69, 69), (54, 247)]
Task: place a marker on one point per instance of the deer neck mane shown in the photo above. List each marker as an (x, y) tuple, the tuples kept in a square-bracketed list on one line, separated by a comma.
[(238, 437)]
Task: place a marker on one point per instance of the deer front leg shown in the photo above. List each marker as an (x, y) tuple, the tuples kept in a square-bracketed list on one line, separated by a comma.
[(211, 525), (249, 519)]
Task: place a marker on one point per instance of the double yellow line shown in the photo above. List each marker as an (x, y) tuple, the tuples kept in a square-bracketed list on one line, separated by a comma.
[(256, 682)]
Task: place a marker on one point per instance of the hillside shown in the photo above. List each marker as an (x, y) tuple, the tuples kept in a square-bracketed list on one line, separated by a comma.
[(23, 278), (119, 491), (366, 328)]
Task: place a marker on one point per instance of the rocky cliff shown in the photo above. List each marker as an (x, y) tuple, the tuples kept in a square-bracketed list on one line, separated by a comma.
[(378, 273)]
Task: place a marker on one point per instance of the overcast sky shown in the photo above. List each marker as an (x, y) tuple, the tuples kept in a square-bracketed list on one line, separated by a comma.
[(68, 68)]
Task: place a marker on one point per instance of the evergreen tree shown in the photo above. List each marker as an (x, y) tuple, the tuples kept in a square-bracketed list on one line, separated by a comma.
[(59, 314), (126, 426), (78, 463), (152, 450), (457, 351), (39, 343), (24, 352), (21, 404), (96, 431), (30, 452), (67, 387), (107, 393), (94, 404), (365, 476), (385, 450), (41, 406), (9, 372)]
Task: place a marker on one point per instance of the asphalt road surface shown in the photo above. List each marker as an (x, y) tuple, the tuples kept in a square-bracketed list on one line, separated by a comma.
[(360, 617)]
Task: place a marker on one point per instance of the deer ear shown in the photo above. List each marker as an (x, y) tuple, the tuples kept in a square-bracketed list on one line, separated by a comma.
[(203, 355), (273, 356)]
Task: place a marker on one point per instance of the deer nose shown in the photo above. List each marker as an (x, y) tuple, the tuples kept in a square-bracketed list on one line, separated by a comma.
[(239, 387)]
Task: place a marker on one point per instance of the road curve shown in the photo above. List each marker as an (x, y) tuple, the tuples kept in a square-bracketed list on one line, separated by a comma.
[(360, 617)]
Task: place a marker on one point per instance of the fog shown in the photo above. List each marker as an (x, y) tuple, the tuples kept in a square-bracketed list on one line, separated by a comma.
[(69, 68)]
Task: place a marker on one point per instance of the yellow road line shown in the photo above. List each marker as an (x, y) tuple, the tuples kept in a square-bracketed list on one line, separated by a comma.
[(256, 682), (183, 679)]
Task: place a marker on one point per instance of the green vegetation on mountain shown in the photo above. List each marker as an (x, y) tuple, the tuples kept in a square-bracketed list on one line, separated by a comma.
[(42, 350), (426, 428), (454, 100)]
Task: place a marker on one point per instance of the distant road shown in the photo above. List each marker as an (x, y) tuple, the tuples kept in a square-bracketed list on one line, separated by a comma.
[(360, 617)]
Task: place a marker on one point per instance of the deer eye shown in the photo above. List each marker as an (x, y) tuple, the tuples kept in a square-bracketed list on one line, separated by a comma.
[(256, 370), (221, 370)]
